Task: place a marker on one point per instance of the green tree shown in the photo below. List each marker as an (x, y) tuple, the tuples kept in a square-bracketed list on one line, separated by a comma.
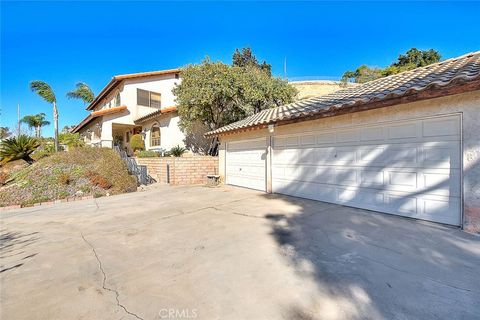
[(82, 92), (214, 94), (4, 133), (412, 59), (72, 140), (363, 74), (44, 90), (246, 58), (36, 121), (16, 148)]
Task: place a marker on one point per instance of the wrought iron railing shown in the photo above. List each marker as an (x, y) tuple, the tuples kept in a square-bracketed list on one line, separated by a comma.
[(139, 171)]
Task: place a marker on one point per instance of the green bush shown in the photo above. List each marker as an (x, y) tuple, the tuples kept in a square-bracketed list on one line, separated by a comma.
[(177, 151), (136, 142), (72, 140), (147, 154)]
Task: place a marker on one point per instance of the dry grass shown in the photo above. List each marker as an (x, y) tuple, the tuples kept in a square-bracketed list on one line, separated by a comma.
[(80, 172)]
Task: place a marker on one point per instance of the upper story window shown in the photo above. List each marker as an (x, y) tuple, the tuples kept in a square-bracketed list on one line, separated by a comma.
[(148, 98), (118, 102)]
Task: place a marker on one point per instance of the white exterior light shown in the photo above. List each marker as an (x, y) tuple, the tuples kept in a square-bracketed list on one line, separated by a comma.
[(271, 128)]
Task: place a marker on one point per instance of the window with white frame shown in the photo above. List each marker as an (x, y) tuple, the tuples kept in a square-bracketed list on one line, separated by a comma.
[(149, 98), (155, 136)]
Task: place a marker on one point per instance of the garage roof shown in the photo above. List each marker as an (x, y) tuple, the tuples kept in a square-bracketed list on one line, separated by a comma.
[(436, 80)]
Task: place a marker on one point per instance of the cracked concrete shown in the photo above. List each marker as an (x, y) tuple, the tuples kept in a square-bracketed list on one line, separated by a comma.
[(231, 253), (104, 282)]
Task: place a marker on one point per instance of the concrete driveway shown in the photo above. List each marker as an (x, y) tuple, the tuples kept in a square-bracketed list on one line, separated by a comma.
[(231, 253)]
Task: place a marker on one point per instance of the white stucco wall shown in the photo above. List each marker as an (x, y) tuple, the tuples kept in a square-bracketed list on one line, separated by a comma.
[(170, 133), (162, 84), (468, 104)]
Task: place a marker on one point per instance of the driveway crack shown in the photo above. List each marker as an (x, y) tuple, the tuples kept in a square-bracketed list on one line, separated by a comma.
[(104, 282)]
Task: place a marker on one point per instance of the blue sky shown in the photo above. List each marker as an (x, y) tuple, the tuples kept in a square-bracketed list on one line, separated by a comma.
[(66, 42)]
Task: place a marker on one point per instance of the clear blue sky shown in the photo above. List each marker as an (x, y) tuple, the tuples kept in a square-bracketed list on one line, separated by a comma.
[(66, 42)]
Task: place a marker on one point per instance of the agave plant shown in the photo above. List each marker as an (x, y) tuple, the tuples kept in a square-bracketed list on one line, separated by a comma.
[(16, 148)]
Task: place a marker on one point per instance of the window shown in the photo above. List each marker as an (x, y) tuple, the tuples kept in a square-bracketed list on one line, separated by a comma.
[(155, 136), (117, 100), (148, 98)]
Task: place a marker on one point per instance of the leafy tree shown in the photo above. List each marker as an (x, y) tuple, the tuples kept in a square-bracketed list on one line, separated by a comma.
[(412, 59), (82, 92), (4, 133), (363, 74), (36, 121), (214, 94), (44, 90), (67, 129), (16, 148), (72, 140), (246, 58)]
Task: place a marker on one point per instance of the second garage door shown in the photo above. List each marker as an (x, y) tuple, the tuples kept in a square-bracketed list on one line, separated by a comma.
[(410, 168)]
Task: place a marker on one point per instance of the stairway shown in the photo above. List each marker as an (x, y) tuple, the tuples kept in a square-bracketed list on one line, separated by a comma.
[(139, 171)]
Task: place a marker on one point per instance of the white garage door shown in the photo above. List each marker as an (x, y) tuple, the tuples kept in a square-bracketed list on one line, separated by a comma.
[(409, 168), (245, 163)]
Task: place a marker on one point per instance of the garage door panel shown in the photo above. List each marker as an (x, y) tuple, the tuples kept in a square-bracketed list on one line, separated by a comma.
[(245, 163), (411, 169)]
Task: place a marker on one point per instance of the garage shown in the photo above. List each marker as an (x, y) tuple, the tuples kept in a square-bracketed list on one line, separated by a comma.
[(408, 168), (246, 163), (406, 145)]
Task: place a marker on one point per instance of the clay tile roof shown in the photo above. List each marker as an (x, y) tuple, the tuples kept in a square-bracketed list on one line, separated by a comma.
[(448, 73), (155, 114)]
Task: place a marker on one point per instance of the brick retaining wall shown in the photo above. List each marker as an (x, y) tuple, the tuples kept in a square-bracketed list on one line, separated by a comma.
[(183, 171)]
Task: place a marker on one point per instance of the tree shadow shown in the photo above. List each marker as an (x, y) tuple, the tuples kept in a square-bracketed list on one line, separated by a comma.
[(370, 265), (14, 249)]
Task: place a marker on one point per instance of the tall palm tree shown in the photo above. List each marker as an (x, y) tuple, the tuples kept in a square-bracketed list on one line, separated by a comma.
[(82, 92), (44, 90), (36, 121)]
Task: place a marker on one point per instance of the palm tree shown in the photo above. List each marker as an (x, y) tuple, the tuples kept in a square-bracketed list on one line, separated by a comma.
[(46, 93), (16, 148), (36, 121), (4, 133), (82, 92)]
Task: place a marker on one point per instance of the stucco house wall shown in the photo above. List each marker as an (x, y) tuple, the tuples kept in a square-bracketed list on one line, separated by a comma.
[(467, 104), (170, 133)]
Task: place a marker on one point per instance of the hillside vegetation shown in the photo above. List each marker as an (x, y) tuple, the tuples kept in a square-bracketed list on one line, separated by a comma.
[(80, 172)]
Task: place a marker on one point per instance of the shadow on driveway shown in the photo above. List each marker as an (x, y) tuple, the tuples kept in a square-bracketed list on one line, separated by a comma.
[(370, 264)]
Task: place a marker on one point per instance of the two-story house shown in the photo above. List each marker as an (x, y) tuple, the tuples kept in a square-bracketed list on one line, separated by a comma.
[(139, 103)]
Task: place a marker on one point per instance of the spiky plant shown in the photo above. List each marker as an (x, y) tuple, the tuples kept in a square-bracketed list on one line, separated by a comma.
[(36, 121), (16, 148), (81, 92), (44, 90)]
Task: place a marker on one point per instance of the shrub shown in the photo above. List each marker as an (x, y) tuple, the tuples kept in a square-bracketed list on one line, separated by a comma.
[(16, 148), (71, 140), (64, 178), (136, 142), (3, 178), (177, 151), (98, 180), (147, 154)]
